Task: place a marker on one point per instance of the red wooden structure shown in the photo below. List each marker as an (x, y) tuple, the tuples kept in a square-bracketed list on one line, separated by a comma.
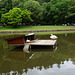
[(20, 40)]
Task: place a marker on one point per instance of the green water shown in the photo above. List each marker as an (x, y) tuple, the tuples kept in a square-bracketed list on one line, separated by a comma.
[(40, 60)]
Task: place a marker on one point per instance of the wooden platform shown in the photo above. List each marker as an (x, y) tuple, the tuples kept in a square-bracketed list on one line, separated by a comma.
[(28, 41), (39, 43), (43, 42)]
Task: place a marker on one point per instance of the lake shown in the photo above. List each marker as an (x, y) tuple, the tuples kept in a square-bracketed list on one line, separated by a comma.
[(39, 60)]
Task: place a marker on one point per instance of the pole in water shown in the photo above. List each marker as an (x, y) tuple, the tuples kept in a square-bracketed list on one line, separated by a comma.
[(26, 47), (30, 47)]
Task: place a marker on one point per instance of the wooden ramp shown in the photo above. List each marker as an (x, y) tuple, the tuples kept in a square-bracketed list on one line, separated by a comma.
[(40, 42)]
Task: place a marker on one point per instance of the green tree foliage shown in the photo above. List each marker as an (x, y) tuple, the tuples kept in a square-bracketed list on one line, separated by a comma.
[(46, 9), (42, 1), (60, 11), (8, 4), (55, 11), (18, 3), (2, 8), (15, 16), (35, 8), (42, 11), (1, 3), (5, 6), (2, 11), (12, 17), (71, 11), (25, 15)]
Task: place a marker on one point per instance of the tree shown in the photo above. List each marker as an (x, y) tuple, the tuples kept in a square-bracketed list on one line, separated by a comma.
[(25, 15), (42, 11), (60, 12), (14, 16), (18, 3), (46, 9), (42, 1), (5, 6), (8, 4), (35, 8), (54, 12), (71, 11), (2, 8)]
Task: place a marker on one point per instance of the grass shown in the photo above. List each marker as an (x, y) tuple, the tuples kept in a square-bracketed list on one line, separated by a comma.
[(31, 28), (39, 33)]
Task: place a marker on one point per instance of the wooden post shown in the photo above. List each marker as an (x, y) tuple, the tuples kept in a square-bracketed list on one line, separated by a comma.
[(30, 47), (53, 46), (7, 47)]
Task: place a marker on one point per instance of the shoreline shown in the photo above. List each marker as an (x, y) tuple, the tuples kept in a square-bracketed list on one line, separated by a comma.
[(9, 32)]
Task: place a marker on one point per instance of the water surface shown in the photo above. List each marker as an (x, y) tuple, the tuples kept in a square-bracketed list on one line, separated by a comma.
[(40, 60)]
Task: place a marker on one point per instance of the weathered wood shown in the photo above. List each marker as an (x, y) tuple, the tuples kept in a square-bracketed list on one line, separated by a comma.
[(20, 40), (39, 42), (43, 42), (16, 41)]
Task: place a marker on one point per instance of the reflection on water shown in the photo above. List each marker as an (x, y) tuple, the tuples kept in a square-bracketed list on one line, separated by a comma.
[(40, 60)]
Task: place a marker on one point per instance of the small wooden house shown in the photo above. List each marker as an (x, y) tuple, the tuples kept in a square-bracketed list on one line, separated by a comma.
[(20, 40)]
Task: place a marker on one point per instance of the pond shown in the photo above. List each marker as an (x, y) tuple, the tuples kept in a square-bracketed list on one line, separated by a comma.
[(40, 60)]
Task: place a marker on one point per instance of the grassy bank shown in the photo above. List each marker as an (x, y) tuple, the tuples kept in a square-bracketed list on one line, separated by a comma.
[(39, 33), (31, 28)]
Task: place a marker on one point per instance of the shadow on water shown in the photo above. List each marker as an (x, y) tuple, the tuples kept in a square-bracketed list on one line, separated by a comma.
[(42, 48), (17, 49), (41, 59), (34, 49)]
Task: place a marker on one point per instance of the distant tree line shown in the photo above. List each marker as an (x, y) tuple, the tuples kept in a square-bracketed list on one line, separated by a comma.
[(37, 11)]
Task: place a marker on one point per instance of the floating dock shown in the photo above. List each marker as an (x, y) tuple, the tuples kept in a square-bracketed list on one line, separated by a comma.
[(39, 42), (43, 42), (22, 40)]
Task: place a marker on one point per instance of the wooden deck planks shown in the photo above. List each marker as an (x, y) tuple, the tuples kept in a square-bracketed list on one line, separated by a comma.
[(43, 42), (39, 43)]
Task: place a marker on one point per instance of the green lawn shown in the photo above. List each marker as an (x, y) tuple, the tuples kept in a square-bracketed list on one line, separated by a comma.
[(38, 33), (31, 28)]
